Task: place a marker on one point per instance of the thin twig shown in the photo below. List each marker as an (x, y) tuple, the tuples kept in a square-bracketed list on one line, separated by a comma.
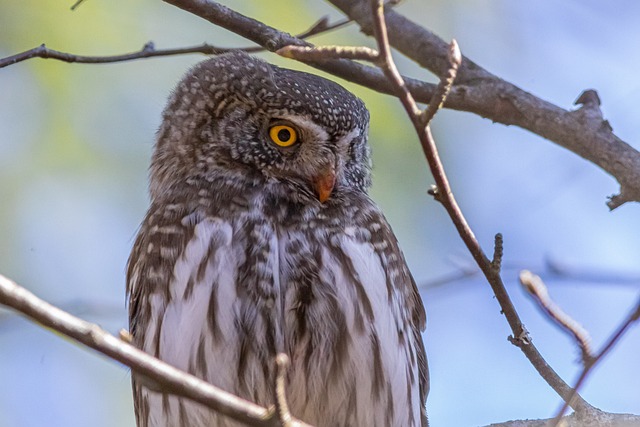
[(323, 26), (76, 4), (445, 197), (445, 84), (149, 50), (385, 61), (618, 333), (323, 53), (534, 285), (551, 268), (171, 379)]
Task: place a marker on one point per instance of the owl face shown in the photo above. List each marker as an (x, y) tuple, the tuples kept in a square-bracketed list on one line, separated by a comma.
[(238, 115)]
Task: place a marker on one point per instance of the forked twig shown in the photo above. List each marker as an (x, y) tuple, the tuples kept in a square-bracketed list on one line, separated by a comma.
[(534, 285), (444, 195), (149, 50)]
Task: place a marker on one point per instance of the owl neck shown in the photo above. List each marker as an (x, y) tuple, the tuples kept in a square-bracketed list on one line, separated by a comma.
[(280, 198)]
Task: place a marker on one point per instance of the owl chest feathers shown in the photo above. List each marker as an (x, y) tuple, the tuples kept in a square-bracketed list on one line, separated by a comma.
[(257, 279)]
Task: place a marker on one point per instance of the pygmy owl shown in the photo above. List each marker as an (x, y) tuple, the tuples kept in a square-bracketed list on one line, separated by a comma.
[(261, 239)]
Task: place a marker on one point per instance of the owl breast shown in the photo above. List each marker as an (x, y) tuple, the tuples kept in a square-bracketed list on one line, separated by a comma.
[(274, 278)]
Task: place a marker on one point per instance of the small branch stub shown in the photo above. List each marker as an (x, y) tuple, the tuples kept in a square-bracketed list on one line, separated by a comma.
[(282, 407), (588, 98), (498, 251), (125, 336)]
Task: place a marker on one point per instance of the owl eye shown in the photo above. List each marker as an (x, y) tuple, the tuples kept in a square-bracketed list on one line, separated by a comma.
[(283, 135)]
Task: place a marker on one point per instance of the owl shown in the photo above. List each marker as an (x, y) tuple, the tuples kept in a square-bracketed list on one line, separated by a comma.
[(261, 239)]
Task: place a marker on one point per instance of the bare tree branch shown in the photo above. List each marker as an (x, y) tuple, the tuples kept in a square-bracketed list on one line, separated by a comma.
[(583, 131), (149, 50), (633, 317), (536, 288), (444, 195), (171, 379)]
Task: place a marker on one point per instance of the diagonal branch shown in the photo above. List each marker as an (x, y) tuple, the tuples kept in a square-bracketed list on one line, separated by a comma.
[(171, 379), (444, 195)]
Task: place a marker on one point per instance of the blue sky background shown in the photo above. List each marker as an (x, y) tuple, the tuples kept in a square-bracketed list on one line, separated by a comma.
[(74, 147)]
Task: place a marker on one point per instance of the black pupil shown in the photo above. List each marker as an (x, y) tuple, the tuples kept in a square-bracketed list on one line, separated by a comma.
[(284, 135)]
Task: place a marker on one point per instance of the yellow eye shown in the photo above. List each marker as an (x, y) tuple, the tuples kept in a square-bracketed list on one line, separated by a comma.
[(283, 135)]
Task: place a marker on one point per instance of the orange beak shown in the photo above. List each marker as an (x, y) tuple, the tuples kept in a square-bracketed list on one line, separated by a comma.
[(324, 184)]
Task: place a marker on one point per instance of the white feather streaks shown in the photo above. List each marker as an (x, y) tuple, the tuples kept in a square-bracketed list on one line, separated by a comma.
[(356, 376)]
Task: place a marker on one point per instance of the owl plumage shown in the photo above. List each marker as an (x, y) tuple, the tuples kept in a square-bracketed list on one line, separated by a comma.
[(251, 248)]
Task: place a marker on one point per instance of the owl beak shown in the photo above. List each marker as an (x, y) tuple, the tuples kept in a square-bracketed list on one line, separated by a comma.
[(323, 184)]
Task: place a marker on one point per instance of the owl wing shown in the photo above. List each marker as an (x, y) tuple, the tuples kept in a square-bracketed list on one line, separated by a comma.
[(399, 279), (161, 238), (362, 266), (181, 285), (163, 234)]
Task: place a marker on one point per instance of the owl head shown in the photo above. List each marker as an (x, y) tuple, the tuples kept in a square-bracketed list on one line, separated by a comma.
[(235, 115)]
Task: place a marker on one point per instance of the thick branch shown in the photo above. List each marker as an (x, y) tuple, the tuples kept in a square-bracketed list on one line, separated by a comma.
[(583, 131), (171, 379)]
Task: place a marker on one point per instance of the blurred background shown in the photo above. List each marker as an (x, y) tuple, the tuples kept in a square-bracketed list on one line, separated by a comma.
[(75, 142)]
